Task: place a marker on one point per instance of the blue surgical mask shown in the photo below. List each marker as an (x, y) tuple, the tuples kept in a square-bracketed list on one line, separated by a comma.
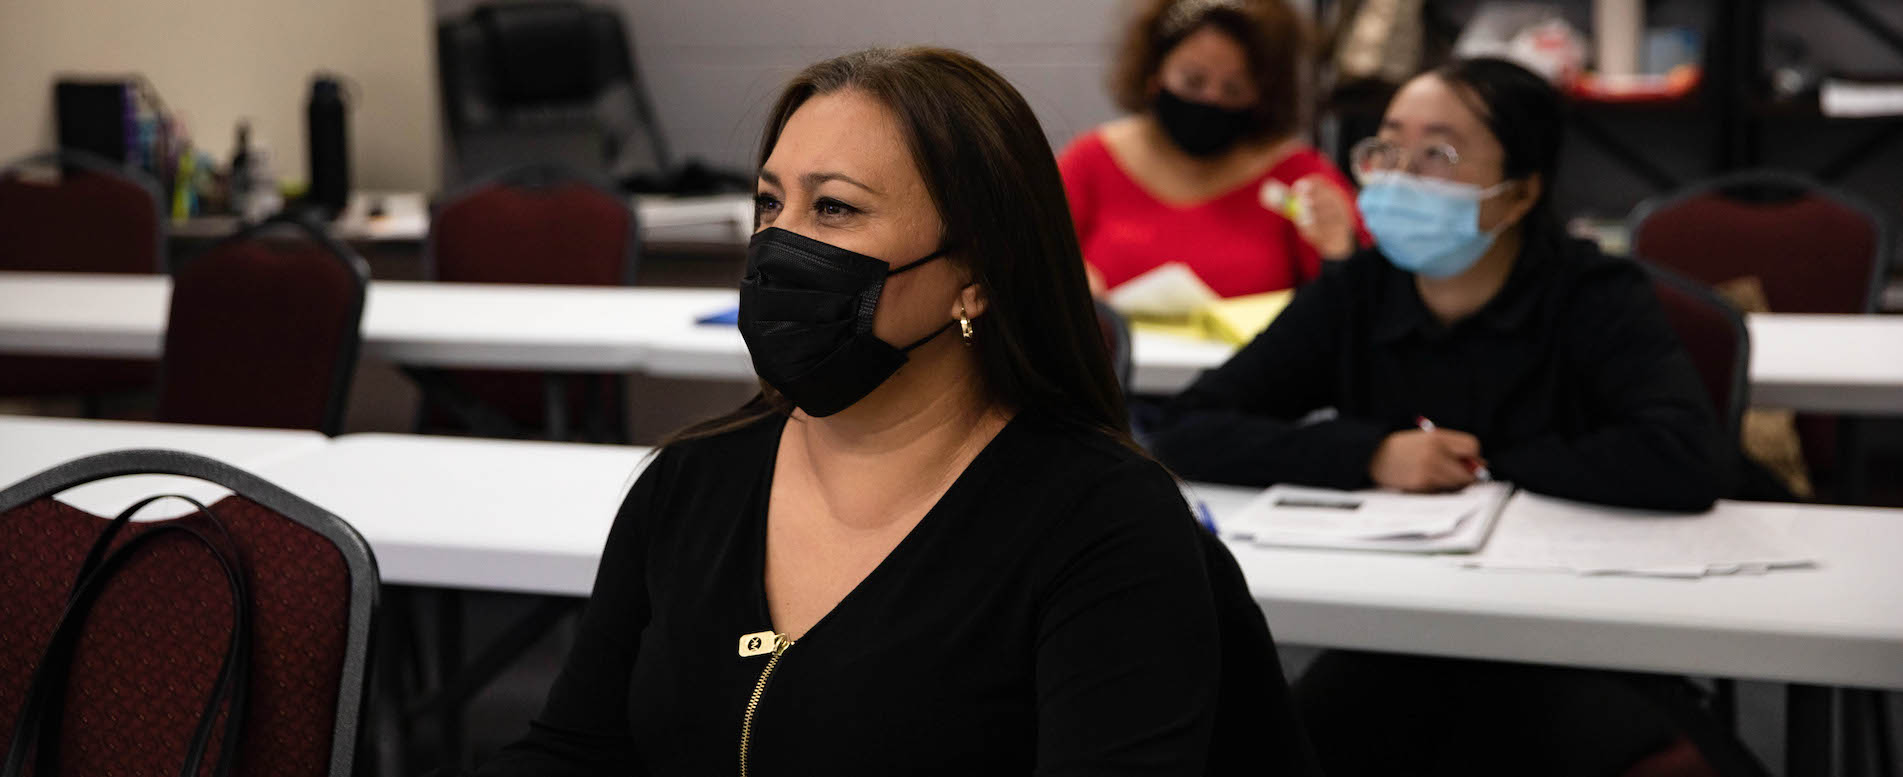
[(1423, 225)]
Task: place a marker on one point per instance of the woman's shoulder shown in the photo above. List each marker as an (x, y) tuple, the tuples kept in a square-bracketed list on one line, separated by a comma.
[(1363, 275), (1597, 292), (1081, 496), (1089, 148), (1589, 275), (1071, 443), (1079, 464), (751, 437)]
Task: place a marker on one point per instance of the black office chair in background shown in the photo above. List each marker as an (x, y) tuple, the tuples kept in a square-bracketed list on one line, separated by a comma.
[(530, 82)]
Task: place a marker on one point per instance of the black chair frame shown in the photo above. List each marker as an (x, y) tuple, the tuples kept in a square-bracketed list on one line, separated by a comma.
[(1740, 379), (361, 563)]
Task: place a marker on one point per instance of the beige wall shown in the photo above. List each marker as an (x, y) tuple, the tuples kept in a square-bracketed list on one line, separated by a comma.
[(216, 61)]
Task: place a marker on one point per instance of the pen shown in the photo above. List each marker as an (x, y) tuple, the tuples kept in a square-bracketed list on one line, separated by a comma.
[(1480, 472), (1204, 517)]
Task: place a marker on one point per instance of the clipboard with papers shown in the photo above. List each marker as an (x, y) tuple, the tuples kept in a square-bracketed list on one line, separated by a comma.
[(1297, 516)]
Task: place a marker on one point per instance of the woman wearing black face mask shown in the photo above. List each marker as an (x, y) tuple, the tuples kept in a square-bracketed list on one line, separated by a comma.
[(1209, 170), (928, 546)]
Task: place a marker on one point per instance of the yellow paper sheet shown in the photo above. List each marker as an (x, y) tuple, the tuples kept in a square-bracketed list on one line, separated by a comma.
[(1236, 320)]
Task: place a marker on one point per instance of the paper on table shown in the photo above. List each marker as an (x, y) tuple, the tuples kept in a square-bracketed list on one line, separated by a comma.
[(1235, 320), (1238, 320), (1172, 290), (1294, 515), (1543, 533), (1854, 99), (402, 216)]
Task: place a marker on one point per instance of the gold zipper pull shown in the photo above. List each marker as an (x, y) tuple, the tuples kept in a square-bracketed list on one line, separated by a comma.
[(760, 643)]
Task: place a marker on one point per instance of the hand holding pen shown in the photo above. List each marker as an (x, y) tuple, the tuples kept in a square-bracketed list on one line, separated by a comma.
[(1474, 463), (1428, 459)]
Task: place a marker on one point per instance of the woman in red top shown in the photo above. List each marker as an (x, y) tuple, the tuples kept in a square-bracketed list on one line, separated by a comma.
[(1204, 169)]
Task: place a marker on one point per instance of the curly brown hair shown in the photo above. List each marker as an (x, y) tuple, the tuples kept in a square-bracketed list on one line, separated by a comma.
[(1274, 37)]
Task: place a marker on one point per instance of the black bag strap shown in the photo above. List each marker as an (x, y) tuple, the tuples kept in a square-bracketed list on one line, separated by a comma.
[(41, 713)]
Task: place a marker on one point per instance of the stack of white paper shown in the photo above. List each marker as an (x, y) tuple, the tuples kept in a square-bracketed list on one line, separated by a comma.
[(1543, 533), (1369, 520), (1171, 290)]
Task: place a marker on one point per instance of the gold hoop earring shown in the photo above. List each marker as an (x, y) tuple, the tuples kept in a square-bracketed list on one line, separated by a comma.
[(964, 325)]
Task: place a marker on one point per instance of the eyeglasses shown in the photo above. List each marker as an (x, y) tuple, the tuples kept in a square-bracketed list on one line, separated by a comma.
[(1374, 155)]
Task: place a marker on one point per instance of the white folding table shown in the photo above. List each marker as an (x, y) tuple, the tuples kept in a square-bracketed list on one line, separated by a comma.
[(1848, 364), (31, 444), (531, 517), (403, 217), (467, 513)]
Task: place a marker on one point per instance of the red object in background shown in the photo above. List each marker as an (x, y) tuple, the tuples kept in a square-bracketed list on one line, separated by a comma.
[(1677, 85), (1231, 241)]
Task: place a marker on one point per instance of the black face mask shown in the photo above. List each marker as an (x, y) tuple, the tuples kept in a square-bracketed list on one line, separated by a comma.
[(1200, 129), (806, 313)]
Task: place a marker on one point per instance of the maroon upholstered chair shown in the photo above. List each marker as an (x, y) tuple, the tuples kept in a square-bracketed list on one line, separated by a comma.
[(264, 330), (1715, 337), (75, 212), (541, 224), (152, 644), (1813, 249)]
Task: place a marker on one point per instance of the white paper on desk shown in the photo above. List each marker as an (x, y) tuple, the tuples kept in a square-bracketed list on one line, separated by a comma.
[(1544, 533), (1172, 290), (1853, 99), (405, 215), (1368, 520)]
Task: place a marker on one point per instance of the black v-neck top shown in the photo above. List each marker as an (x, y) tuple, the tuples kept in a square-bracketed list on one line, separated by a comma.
[(1050, 615)]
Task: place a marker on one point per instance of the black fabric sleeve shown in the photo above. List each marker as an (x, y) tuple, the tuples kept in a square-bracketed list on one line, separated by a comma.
[(1240, 423), (1656, 444), (1127, 656), (583, 727)]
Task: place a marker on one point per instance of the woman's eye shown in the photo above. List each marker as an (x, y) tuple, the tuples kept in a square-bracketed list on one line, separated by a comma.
[(765, 203), (833, 208)]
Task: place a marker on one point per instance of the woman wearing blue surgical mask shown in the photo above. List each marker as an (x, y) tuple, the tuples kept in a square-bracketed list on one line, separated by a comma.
[(1537, 361), (929, 546)]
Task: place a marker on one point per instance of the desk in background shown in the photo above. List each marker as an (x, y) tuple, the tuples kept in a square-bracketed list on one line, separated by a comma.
[(1826, 364), (30, 444), (531, 517), (403, 217)]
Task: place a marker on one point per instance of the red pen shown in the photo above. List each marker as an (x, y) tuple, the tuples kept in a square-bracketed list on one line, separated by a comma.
[(1474, 466)]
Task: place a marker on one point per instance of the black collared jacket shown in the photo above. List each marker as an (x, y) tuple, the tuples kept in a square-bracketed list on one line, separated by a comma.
[(1571, 377)]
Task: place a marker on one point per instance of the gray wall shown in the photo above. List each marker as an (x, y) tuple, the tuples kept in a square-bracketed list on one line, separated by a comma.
[(714, 66)]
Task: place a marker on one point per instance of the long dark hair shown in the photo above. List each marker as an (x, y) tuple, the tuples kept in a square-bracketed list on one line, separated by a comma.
[(994, 181), (1527, 116)]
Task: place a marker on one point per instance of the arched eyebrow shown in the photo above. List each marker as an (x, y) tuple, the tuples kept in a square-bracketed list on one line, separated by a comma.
[(813, 180)]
